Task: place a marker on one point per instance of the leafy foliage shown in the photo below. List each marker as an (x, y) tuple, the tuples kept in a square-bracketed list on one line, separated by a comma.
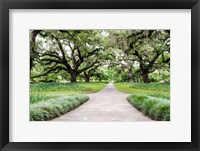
[(150, 98), (68, 55), (50, 100), (47, 109), (156, 108), (58, 57)]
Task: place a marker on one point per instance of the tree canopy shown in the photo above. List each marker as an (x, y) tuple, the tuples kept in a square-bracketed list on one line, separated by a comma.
[(119, 55)]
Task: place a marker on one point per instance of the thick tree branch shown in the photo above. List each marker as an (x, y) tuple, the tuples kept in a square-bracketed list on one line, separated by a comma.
[(49, 61), (55, 69), (51, 55), (33, 53), (66, 31), (65, 62), (152, 61), (88, 67), (92, 52), (80, 57)]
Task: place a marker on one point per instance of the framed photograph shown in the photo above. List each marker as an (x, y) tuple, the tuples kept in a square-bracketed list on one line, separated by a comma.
[(99, 75)]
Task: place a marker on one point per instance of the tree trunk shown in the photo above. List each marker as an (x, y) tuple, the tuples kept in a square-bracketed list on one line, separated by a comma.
[(86, 77), (130, 75), (33, 53), (73, 76), (145, 77), (31, 62)]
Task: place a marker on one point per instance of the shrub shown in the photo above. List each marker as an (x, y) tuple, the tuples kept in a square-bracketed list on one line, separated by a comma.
[(49, 109), (155, 108), (34, 98)]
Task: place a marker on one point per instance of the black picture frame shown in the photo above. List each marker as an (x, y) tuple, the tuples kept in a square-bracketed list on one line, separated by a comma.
[(5, 5)]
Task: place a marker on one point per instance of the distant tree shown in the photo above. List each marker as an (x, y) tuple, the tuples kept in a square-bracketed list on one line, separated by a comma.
[(90, 72), (123, 63)]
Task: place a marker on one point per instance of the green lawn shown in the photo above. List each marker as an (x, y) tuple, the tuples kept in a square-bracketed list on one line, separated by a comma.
[(161, 90), (153, 99), (66, 88), (50, 100)]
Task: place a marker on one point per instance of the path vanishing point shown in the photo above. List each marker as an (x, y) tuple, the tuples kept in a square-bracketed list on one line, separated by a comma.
[(107, 105)]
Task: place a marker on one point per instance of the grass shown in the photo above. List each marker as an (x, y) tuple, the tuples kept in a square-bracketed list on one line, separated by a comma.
[(50, 100), (156, 108), (161, 90), (69, 88), (150, 98), (47, 109), (34, 98)]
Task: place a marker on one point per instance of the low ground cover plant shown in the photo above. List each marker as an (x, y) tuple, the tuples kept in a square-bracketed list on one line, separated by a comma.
[(49, 108), (156, 108), (50, 100), (152, 99)]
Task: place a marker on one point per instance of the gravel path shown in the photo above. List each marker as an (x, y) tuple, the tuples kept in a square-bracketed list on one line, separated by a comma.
[(106, 105)]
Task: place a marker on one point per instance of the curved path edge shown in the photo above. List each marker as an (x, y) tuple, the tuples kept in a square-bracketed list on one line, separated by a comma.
[(106, 105)]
